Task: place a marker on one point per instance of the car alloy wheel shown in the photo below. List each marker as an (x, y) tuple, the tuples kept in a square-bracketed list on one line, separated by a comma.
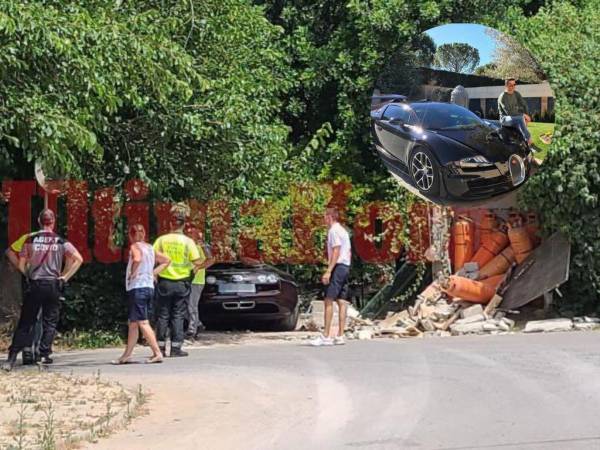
[(422, 171)]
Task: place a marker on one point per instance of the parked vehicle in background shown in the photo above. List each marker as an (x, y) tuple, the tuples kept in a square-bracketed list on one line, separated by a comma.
[(249, 292)]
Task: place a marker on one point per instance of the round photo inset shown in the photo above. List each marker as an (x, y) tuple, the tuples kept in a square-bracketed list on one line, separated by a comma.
[(464, 116)]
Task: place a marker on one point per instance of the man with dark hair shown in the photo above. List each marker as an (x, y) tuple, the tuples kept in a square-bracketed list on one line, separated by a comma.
[(335, 278), (174, 283), (30, 353), (48, 261), (513, 109)]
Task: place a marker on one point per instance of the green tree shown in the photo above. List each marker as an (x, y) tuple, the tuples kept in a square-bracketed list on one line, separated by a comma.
[(110, 93), (566, 190), (511, 59), (456, 57)]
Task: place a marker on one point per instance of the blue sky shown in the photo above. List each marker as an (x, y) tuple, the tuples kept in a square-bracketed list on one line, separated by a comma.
[(467, 33)]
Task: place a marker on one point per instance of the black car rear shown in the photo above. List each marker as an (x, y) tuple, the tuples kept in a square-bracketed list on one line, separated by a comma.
[(239, 293)]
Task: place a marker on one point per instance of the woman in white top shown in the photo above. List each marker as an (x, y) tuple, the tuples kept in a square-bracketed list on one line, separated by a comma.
[(139, 284)]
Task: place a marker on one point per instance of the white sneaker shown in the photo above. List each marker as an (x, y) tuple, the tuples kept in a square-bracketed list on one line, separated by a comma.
[(321, 340), (339, 340)]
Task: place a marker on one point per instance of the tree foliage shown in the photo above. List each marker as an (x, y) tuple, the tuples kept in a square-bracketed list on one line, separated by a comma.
[(456, 57), (511, 59), (111, 93), (566, 190)]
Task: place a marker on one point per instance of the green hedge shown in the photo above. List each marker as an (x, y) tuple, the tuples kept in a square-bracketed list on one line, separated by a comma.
[(566, 39)]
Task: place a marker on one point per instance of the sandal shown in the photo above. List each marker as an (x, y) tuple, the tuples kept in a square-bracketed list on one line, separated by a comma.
[(118, 362), (154, 360)]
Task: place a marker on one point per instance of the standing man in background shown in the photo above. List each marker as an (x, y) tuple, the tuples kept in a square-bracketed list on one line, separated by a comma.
[(459, 96), (174, 283), (513, 109), (47, 261), (336, 276), (206, 260)]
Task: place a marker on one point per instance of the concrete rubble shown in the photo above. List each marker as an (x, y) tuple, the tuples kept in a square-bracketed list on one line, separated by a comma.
[(435, 316), (578, 323), (548, 325)]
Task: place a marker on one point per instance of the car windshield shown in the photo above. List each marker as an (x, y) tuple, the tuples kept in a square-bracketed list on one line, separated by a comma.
[(445, 116)]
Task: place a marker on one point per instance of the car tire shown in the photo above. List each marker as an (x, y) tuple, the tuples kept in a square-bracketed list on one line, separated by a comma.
[(425, 171), (290, 322)]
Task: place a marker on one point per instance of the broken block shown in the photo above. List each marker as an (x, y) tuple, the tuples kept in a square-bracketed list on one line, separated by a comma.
[(471, 319), (548, 325), (466, 328), (471, 311)]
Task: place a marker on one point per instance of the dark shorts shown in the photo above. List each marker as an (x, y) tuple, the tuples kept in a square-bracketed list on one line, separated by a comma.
[(338, 283), (139, 300)]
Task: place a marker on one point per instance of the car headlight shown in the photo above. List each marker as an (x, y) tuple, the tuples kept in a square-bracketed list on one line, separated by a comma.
[(474, 161), (211, 280), (261, 278), (272, 278)]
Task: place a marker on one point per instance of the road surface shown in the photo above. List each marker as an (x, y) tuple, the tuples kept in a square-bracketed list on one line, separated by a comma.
[(473, 392)]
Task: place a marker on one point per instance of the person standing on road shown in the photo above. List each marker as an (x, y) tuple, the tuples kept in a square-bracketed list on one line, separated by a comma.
[(139, 284), (30, 354), (48, 261), (174, 283), (206, 260), (513, 109), (336, 276)]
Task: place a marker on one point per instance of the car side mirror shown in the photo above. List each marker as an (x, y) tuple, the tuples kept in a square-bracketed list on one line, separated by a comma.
[(396, 121)]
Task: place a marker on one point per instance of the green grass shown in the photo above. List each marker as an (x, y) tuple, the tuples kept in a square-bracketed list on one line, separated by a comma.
[(536, 129)]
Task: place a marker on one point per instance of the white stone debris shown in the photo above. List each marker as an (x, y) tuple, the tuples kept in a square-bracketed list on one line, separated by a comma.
[(548, 325)]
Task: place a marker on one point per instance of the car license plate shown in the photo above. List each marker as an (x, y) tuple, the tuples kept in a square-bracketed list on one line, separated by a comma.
[(235, 288)]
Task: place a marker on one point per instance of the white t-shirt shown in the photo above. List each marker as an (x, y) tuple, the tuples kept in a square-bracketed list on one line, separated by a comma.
[(338, 236)]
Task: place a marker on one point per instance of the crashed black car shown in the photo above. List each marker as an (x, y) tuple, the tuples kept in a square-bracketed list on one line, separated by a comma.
[(445, 151), (249, 292)]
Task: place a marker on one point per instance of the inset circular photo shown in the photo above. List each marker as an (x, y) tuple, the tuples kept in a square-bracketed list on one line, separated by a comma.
[(463, 116)]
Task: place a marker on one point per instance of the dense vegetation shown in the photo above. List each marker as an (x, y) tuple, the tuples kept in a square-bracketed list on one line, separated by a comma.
[(212, 98)]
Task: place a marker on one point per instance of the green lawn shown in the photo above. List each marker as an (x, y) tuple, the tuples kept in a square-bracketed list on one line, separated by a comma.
[(536, 129)]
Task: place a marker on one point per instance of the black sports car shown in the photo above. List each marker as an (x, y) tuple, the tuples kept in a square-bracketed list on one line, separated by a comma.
[(249, 292), (447, 152)]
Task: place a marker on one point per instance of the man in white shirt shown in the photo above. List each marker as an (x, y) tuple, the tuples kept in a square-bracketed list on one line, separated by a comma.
[(335, 278)]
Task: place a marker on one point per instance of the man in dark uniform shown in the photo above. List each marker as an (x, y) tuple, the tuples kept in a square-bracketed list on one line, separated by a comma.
[(30, 353), (48, 262)]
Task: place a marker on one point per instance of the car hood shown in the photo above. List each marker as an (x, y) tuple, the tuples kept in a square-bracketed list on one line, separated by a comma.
[(495, 148)]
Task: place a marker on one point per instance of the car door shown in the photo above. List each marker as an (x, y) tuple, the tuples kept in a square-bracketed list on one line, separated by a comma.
[(392, 132)]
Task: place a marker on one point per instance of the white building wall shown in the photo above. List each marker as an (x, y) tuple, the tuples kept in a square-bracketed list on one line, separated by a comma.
[(526, 90)]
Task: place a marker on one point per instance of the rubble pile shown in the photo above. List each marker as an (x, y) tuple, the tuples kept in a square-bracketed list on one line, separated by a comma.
[(435, 315)]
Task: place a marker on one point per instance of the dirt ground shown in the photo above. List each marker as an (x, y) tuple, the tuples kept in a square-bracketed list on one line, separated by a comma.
[(39, 409)]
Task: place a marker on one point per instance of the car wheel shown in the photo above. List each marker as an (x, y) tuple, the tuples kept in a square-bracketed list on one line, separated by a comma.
[(290, 322), (425, 171)]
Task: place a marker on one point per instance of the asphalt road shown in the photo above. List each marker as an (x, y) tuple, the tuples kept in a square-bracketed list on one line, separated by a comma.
[(481, 392)]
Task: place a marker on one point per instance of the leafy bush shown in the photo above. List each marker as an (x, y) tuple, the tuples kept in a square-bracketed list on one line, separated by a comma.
[(95, 299), (566, 190)]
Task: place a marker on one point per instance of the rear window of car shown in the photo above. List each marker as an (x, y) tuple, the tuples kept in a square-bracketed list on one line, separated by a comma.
[(445, 116)]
